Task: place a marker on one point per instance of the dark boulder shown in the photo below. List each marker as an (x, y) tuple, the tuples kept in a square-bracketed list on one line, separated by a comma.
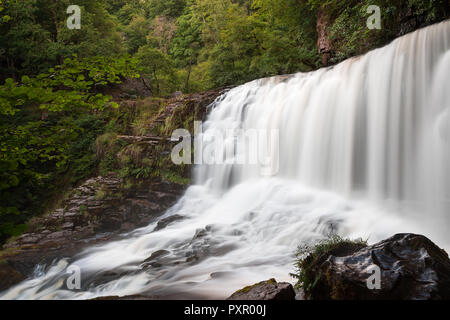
[(411, 267), (266, 290)]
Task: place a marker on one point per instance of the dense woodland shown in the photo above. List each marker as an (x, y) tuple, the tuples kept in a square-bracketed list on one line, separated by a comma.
[(54, 81)]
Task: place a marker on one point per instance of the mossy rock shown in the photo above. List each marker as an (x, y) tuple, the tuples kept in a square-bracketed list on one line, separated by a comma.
[(265, 290)]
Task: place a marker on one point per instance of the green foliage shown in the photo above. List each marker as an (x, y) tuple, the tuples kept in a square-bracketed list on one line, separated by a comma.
[(73, 86), (168, 8), (157, 66), (3, 17), (186, 45), (199, 44), (48, 125), (34, 36), (204, 43), (136, 33), (347, 30), (310, 257)]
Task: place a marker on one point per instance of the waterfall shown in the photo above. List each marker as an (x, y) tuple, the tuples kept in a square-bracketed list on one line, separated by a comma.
[(363, 150)]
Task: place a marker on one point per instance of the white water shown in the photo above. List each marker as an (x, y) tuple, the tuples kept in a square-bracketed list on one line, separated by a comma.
[(364, 151)]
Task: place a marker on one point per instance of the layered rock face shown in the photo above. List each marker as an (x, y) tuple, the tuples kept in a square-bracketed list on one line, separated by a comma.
[(411, 267), (98, 206), (96, 212)]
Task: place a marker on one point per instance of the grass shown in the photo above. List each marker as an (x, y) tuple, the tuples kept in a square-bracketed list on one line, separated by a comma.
[(132, 153), (104, 143), (148, 110), (311, 256)]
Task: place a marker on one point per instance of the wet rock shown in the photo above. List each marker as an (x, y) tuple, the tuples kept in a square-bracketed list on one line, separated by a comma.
[(9, 276), (71, 214), (157, 254), (266, 290), (203, 245), (202, 233), (68, 225), (57, 235), (162, 224), (411, 267), (30, 239), (127, 226), (59, 213)]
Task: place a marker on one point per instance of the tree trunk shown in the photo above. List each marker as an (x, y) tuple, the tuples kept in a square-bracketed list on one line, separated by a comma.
[(186, 86), (148, 86), (156, 80), (323, 42)]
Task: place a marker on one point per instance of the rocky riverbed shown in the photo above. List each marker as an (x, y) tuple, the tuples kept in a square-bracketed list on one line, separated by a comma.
[(98, 211)]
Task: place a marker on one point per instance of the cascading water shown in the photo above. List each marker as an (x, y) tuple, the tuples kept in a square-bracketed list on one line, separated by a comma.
[(363, 151)]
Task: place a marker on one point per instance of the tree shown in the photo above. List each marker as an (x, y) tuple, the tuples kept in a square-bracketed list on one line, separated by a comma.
[(136, 33), (126, 10), (163, 31), (166, 8), (186, 45), (35, 37), (158, 67)]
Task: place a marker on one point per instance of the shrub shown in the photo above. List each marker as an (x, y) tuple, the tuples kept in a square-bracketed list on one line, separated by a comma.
[(104, 143)]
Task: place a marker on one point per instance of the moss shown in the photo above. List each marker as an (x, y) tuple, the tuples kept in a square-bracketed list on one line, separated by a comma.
[(128, 184), (100, 195), (249, 288), (175, 178), (84, 210), (119, 195), (7, 253)]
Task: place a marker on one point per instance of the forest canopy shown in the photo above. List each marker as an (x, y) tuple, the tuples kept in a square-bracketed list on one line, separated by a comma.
[(197, 44)]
